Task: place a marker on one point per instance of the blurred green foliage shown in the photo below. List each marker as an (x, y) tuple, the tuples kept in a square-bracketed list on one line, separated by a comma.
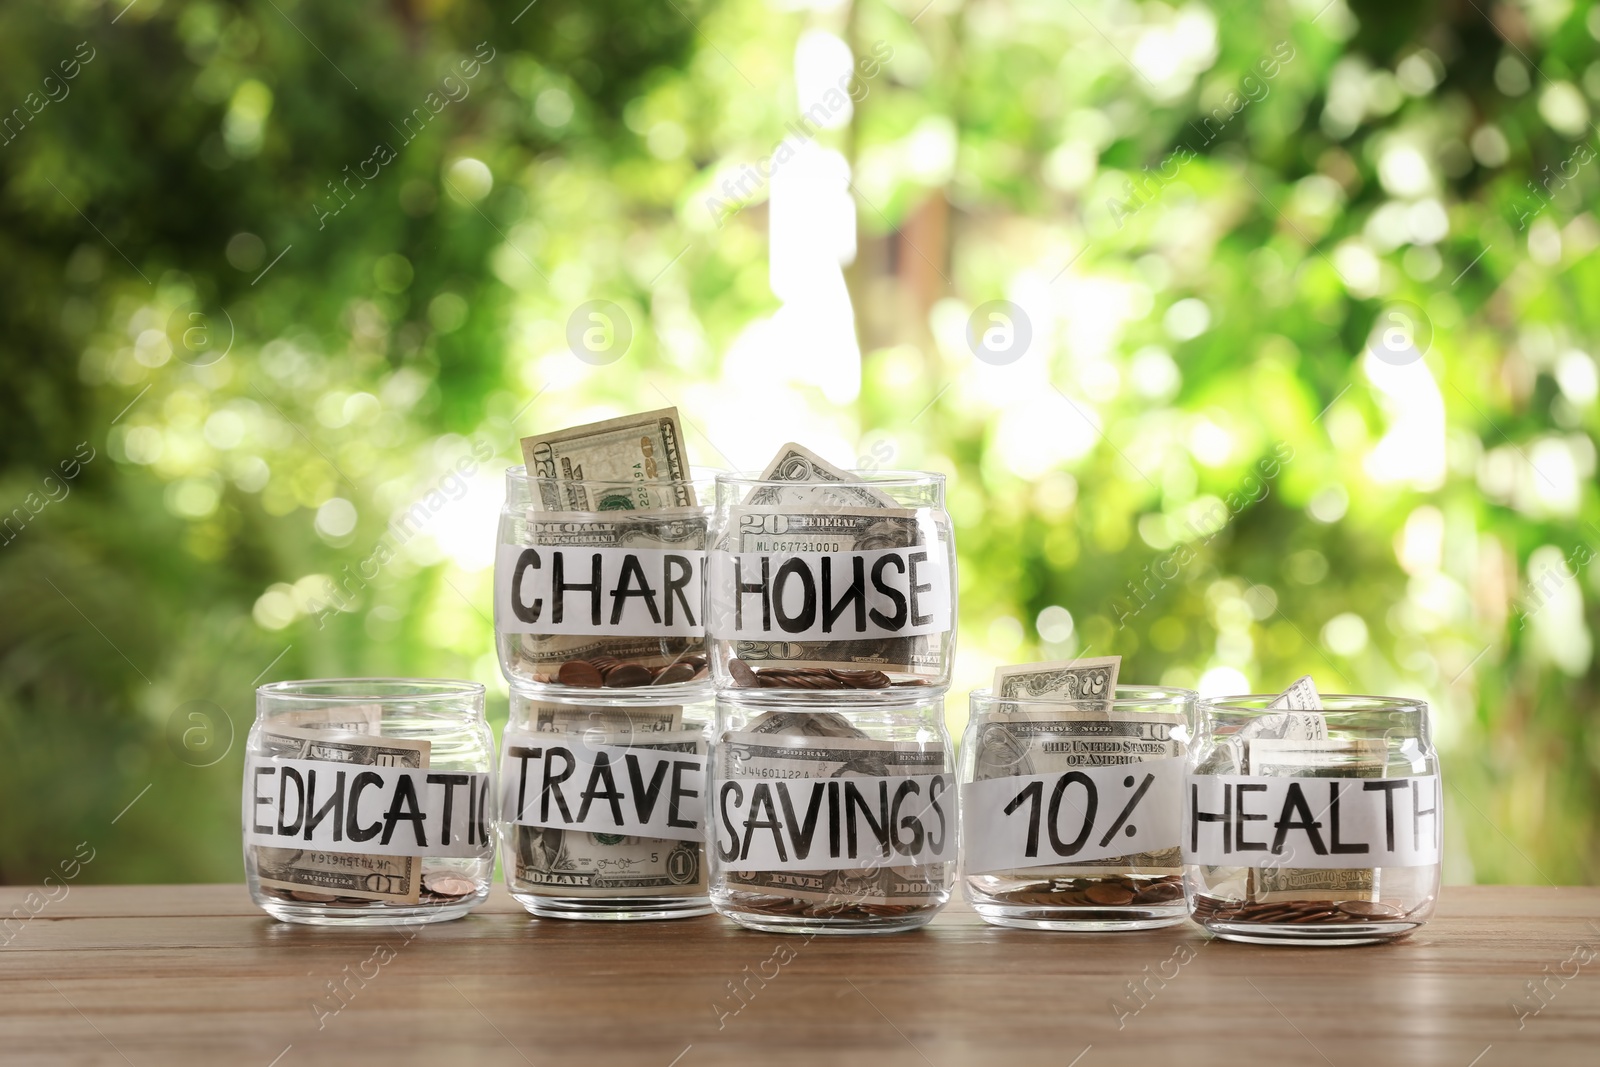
[(232, 353)]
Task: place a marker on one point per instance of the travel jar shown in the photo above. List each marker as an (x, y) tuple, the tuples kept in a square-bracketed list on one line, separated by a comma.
[(603, 804), (369, 801), (1312, 827)]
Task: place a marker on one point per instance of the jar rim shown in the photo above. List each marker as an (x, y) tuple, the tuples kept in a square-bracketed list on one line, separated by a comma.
[(1137, 695), (1340, 703), (367, 690), (880, 477)]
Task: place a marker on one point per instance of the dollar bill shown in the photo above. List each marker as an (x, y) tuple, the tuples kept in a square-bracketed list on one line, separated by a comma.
[(355, 719), (1078, 680), (815, 483), (1302, 722), (642, 456), (604, 719), (664, 529), (803, 724), (1301, 696), (392, 879), (792, 754), (1023, 740), (1316, 758), (571, 863), (787, 530)]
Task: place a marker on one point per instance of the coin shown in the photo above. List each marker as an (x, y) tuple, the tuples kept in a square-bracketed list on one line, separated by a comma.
[(627, 676), (1109, 894), (1160, 893), (1369, 909), (862, 679), (311, 897), (674, 673), (575, 672), (743, 676), (449, 885)]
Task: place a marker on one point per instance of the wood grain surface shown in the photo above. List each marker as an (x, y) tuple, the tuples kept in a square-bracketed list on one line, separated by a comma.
[(148, 975)]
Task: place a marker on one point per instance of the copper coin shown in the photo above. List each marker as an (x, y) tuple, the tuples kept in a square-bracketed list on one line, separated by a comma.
[(577, 673), (627, 676), (743, 676), (311, 897), (673, 673), (910, 681), (1369, 909), (1109, 894), (695, 659), (1160, 893), (862, 679), (449, 885)]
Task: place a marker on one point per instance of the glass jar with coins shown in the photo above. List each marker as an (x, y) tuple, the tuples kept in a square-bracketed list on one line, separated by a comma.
[(599, 584), (827, 816), (1069, 807), (603, 804), (1312, 822), (369, 800), (826, 579)]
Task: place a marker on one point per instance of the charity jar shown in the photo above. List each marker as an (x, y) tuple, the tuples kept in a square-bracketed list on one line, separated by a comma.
[(1069, 809), (600, 584), (830, 816), (603, 804), (369, 800), (846, 585), (1312, 827)]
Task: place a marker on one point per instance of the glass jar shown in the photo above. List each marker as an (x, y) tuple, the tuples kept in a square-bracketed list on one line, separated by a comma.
[(603, 804), (369, 801), (628, 560), (1314, 827), (838, 585), (1069, 809), (831, 817)]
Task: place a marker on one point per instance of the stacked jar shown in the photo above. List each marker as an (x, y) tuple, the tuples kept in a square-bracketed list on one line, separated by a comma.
[(831, 608), (600, 629)]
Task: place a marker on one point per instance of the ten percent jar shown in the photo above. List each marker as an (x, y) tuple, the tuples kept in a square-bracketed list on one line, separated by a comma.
[(603, 805), (828, 817), (838, 585), (369, 800), (600, 584), (1323, 827), (1069, 809)]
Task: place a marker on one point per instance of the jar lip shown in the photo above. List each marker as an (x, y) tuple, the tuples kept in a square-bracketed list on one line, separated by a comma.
[(697, 474), (878, 477), (1342, 703), (1128, 696), (368, 690)]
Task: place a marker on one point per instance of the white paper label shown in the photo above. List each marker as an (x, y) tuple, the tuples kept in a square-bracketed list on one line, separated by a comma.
[(1276, 821), (567, 783), (618, 591), (829, 596), (1091, 813), (370, 811), (834, 824)]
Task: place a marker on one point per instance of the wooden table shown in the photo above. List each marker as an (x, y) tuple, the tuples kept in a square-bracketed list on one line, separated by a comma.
[(149, 975)]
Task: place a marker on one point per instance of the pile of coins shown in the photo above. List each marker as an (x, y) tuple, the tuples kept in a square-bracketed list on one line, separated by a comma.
[(1110, 891), (748, 677), (761, 903), (612, 673), (1297, 912)]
